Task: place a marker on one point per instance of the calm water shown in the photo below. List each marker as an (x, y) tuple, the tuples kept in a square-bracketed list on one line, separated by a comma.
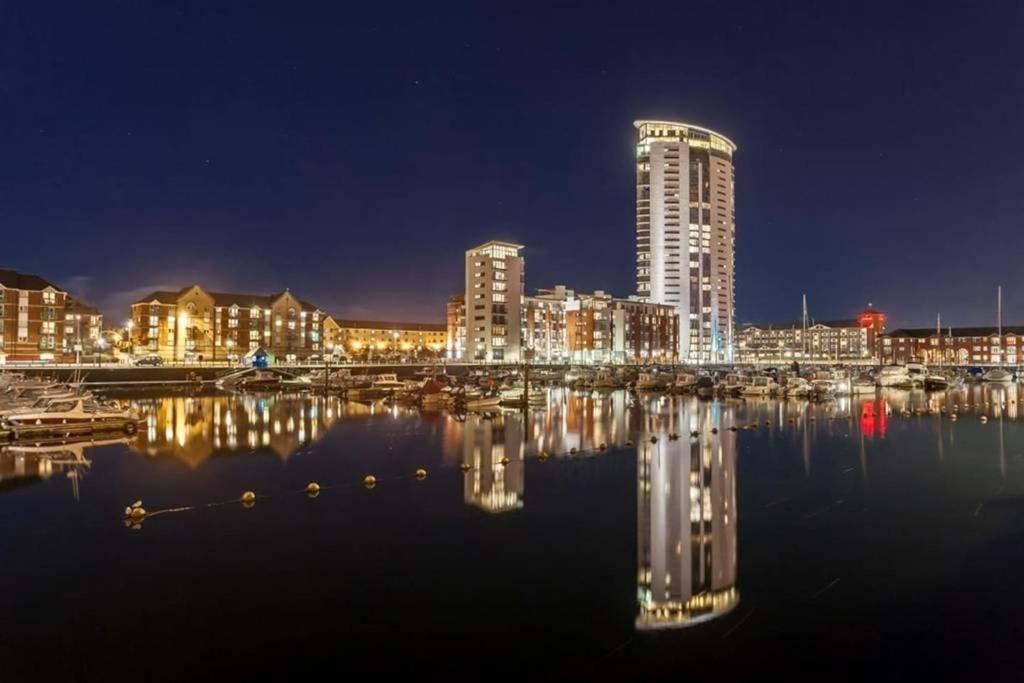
[(845, 538)]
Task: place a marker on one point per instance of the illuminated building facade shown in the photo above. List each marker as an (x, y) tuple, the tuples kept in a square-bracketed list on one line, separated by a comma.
[(848, 340), (954, 346), (455, 324), (686, 524), (685, 233), (494, 298), (83, 327), (32, 315), (560, 325), (372, 338), (194, 324)]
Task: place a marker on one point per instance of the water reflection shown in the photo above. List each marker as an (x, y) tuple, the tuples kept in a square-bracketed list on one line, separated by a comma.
[(25, 464), (686, 518), (493, 449), (195, 428)]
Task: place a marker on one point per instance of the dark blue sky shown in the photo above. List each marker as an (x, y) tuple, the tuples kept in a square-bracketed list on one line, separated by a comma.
[(352, 152)]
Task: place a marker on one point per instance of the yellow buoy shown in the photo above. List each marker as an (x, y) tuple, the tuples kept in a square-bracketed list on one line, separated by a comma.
[(312, 488), (464, 467), (695, 433), (984, 419), (542, 456), (602, 446), (369, 481), (629, 443), (714, 430), (654, 439), (732, 428), (137, 512), (504, 460), (953, 417), (421, 473), (572, 451), (248, 497)]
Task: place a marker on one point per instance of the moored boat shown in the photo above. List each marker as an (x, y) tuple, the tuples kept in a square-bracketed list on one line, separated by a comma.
[(998, 375), (651, 381), (894, 376), (760, 386), (705, 387), (72, 416)]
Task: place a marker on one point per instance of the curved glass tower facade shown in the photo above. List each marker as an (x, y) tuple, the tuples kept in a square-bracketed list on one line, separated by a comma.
[(686, 233)]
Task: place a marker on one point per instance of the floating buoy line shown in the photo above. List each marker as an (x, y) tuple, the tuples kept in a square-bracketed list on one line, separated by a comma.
[(135, 513)]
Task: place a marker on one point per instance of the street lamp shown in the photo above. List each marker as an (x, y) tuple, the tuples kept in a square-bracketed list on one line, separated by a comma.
[(128, 325)]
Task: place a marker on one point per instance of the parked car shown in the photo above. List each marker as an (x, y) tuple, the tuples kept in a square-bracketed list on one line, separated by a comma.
[(314, 359), (151, 359)]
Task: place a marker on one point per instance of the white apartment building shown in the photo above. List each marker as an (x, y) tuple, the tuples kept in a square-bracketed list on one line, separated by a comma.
[(494, 299), (685, 231)]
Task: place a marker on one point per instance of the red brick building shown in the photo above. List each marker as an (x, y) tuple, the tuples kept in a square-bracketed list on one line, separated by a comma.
[(194, 324), (954, 346), (31, 317)]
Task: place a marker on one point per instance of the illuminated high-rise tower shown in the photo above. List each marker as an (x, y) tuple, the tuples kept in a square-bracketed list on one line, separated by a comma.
[(493, 299), (686, 233)]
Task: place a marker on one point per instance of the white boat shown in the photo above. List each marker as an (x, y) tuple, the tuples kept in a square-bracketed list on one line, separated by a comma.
[(684, 381), (797, 387), (894, 376), (72, 416), (917, 373), (607, 380), (734, 383), (382, 385), (41, 403), (651, 381), (997, 375), (336, 379), (514, 396), (760, 386)]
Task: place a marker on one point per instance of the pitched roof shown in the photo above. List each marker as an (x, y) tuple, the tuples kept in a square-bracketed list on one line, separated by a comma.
[(73, 304), (163, 296), (925, 332), (795, 324), (15, 280), (226, 299), (379, 325)]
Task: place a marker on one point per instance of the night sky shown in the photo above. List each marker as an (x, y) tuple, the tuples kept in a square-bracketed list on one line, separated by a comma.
[(353, 151)]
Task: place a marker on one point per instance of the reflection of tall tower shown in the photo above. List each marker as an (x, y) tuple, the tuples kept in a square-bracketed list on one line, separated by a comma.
[(686, 528), (490, 485)]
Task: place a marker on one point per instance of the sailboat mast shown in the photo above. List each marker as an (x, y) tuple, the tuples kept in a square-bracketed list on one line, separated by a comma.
[(938, 333), (805, 328), (999, 315)]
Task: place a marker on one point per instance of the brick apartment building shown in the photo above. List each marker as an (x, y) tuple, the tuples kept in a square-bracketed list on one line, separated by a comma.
[(196, 324)]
